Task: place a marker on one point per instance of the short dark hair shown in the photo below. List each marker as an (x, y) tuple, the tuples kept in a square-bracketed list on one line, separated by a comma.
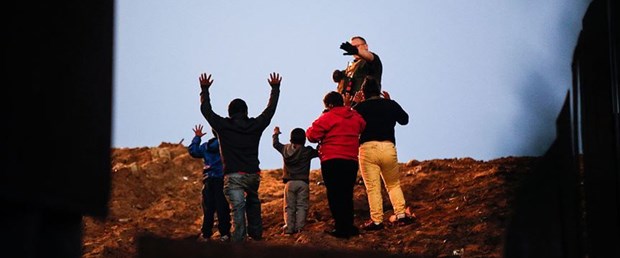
[(371, 87), (298, 136), (333, 98), (237, 106), (358, 37)]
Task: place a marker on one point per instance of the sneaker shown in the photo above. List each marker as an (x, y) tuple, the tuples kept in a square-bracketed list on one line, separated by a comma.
[(255, 238), (202, 238), (371, 226), (290, 232), (337, 234), (404, 221), (225, 238)]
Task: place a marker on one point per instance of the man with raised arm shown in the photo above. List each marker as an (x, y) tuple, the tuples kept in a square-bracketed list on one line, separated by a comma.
[(239, 137)]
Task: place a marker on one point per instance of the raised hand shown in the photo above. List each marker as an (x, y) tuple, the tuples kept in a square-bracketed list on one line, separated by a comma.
[(347, 99), (350, 49), (205, 81), (274, 79), (359, 97), (386, 95), (198, 131), (276, 130)]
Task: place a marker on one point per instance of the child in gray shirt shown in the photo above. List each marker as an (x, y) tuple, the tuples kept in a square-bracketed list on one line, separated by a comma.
[(295, 174)]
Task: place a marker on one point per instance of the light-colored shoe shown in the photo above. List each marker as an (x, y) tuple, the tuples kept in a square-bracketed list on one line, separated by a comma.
[(225, 238), (201, 238), (403, 219), (372, 226)]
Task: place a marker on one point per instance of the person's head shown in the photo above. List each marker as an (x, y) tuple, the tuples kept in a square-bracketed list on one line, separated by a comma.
[(360, 43), (237, 106), (371, 87), (298, 136), (333, 99)]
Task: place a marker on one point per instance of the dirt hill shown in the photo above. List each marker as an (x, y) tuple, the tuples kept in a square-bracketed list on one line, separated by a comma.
[(462, 207)]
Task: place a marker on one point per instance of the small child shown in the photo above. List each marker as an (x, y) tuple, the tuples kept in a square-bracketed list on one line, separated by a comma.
[(296, 177), (213, 199)]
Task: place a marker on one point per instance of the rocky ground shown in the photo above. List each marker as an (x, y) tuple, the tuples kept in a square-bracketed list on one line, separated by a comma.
[(462, 205)]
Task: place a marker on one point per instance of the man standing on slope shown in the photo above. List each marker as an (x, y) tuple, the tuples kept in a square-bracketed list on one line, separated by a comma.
[(377, 153), (239, 137)]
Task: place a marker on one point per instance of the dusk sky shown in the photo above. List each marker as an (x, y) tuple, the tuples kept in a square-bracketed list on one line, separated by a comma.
[(479, 78)]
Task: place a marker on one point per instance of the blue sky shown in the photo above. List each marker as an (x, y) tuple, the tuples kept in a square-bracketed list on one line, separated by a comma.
[(479, 78)]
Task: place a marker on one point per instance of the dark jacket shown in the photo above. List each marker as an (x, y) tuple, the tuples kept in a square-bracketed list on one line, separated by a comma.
[(296, 160), (239, 134), (381, 115), (210, 153), (337, 131)]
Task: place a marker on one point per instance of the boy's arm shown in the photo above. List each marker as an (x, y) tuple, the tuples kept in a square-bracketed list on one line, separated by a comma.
[(276, 143), (276, 140), (195, 149)]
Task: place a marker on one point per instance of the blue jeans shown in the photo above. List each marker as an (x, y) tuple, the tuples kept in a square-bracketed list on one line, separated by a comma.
[(241, 190)]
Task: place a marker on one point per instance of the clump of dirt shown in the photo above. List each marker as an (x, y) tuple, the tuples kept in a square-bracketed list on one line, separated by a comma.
[(462, 206)]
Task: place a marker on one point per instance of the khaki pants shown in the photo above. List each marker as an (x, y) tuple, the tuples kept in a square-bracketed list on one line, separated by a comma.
[(378, 161)]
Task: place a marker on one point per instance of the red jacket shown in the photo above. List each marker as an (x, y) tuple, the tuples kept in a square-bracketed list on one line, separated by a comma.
[(337, 131)]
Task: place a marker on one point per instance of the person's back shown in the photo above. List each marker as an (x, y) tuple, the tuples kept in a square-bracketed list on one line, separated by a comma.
[(337, 131), (378, 159), (296, 157), (296, 176), (209, 152), (381, 116), (213, 199), (239, 137), (213, 157)]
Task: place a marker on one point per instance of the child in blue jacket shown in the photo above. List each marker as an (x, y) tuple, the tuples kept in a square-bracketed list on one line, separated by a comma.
[(213, 199)]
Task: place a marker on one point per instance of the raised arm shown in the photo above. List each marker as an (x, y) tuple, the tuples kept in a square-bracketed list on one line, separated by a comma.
[(401, 115), (359, 50), (274, 81), (195, 149), (205, 100), (276, 140), (205, 83)]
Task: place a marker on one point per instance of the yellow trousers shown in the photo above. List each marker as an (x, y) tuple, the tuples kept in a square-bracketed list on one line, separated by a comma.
[(378, 161)]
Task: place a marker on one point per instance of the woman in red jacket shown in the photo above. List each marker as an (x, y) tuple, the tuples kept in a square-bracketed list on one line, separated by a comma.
[(337, 132)]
